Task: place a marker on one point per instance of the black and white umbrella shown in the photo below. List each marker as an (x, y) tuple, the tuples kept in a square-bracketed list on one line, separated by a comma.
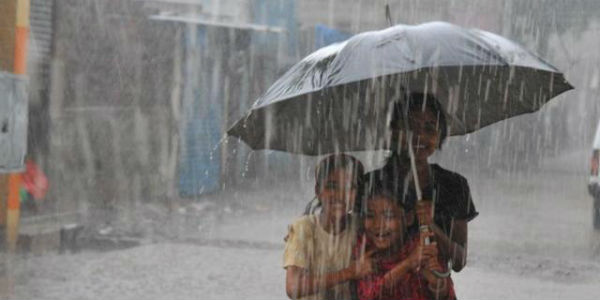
[(338, 98)]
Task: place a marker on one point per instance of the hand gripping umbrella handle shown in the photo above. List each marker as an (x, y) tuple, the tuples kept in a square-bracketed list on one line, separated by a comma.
[(411, 154), (425, 228)]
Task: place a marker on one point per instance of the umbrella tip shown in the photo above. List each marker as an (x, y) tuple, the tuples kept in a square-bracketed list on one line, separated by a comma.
[(388, 15)]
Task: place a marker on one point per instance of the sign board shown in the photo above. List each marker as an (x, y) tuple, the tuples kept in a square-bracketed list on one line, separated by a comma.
[(13, 122)]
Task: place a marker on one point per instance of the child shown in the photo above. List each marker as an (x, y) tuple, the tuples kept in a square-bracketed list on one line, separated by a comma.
[(319, 247), (403, 261)]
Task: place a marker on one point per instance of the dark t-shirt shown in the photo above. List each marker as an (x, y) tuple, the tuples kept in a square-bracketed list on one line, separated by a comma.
[(449, 191)]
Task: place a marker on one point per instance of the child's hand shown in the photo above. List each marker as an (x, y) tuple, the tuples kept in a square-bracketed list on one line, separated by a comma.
[(365, 265), (424, 211), (422, 253), (424, 235), (432, 264)]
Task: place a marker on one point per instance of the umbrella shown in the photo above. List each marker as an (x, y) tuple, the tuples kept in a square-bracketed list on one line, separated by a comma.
[(338, 98)]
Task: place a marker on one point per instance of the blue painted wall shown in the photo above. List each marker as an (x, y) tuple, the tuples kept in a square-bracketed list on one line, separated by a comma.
[(279, 13), (201, 128), (325, 36), (202, 104)]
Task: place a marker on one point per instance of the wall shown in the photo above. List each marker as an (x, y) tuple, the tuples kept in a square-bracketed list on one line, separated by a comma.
[(112, 119)]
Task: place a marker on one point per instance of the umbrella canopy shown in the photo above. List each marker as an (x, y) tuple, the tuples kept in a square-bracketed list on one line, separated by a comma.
[(338, 98)]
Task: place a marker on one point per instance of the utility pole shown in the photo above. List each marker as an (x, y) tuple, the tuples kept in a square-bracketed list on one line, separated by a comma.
[(14, 32)]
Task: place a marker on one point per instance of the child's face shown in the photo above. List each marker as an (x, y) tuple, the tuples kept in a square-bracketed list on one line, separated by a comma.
[(338, 192), (424, 125), (384, 222), (426, 133)]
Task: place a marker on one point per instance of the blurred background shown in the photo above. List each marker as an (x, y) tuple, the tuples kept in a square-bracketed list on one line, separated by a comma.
[(129, 101)]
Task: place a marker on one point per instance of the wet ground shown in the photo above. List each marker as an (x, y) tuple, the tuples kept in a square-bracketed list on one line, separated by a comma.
[(533, 239)]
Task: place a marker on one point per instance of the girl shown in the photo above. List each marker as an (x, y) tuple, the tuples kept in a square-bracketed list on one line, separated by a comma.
[(449, 191), (404, 262), (319, 247)]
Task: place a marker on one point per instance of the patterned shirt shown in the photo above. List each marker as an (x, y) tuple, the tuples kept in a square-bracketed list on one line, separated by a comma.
[(411, 286)]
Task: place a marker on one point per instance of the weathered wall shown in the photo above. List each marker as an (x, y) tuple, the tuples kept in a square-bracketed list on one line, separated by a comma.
[(114, 110), (359, 15), (111, 112), (39, 54)]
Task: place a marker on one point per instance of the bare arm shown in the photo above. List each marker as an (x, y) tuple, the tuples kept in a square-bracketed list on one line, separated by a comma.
[(438, 287), (455, 248), (414, 261), (394, 275), (300, 283)]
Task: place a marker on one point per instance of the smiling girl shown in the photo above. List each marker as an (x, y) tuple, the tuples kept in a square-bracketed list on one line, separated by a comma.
[(318, 248), (454, 207), (404, 262)]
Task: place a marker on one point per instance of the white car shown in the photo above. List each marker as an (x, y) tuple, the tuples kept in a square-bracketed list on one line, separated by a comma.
[(594, 182)]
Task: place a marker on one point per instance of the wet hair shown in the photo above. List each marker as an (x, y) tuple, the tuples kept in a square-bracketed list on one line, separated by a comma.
[(337, 161), (327, 166), (383, 191), (420, 101)]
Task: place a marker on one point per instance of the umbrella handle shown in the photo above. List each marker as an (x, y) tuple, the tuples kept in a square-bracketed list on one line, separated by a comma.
[(413, 167), (443, 274), (425, 228), (411, 154)]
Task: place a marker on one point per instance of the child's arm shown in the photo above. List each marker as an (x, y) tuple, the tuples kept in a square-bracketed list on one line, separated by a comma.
[(300, 283), (439, 288), (392, 277), (456, 247), (414, 261)]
